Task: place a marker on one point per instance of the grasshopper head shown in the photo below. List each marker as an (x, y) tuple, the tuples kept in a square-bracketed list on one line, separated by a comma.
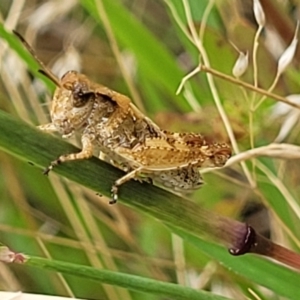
[(72, 103)]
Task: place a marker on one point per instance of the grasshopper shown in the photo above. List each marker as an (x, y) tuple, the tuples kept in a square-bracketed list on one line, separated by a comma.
[(110, 122)]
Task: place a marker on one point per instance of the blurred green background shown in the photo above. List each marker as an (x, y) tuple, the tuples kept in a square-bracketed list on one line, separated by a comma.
[(138, 48)]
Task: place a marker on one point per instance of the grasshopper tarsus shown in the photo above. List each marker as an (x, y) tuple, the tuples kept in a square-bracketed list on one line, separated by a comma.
[(114, 195), (51, 166), (112, 201), (47, 170)]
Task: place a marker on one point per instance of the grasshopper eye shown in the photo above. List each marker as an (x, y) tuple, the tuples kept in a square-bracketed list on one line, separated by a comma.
[(80, 99)]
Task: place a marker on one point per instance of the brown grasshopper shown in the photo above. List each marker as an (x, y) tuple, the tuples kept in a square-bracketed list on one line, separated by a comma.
[(130, 141)]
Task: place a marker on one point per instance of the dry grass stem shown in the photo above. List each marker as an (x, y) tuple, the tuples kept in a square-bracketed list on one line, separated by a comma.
[(213, 89), (247, 86), (282, 151)]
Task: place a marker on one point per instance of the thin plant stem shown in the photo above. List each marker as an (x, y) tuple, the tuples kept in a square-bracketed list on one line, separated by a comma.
[(186, 78), (269, 91), (206, 13), (248, 86), (251, 129), (179, 259), (14, 14), (213, 89), (255, 79), (282, 188), (178, 21), (192, 28), (254, 56), (191, 99)]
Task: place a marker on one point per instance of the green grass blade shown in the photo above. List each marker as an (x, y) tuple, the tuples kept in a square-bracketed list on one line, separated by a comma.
[(132, 282)]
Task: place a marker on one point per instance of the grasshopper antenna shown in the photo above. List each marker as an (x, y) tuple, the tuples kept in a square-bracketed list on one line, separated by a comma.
[(45, 71)]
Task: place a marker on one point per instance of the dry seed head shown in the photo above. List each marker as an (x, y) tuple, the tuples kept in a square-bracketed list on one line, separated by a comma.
[(259, 13), (241, 64), (289, 53), (6, 255)]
